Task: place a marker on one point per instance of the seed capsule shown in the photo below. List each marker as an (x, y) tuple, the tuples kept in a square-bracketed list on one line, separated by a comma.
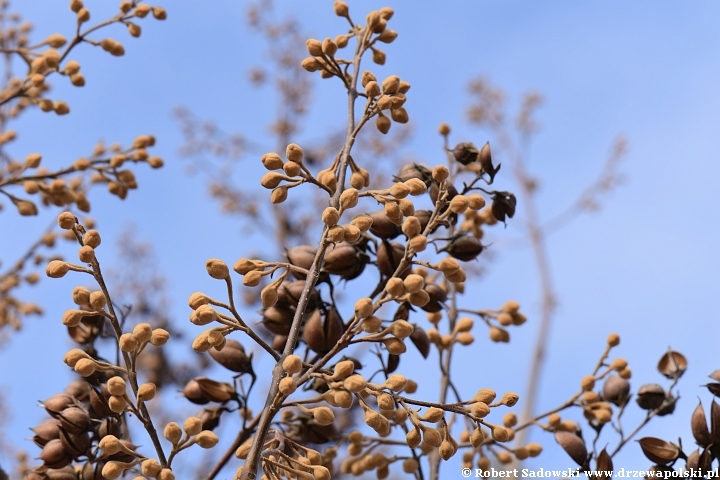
[(389, 256), (232, 356), (616, 390), (323, 332), (382, 123), (650, 396)]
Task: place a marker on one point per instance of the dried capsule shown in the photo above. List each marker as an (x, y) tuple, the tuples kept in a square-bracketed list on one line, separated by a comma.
[(322, 332), (616, 390), (464, 248), (650, 396), (389, 256), (232, 356)]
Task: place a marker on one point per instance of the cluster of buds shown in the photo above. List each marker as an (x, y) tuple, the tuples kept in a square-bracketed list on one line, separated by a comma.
[(323, 54), (192, 433), (105, 165), (294, 460), (294, 172), (389, 95), (81, 421)]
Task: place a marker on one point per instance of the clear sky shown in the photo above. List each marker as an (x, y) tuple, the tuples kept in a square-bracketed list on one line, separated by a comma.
[(644, 266)]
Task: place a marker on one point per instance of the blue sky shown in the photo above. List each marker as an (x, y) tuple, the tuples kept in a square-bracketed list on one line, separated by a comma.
[(644, 266)]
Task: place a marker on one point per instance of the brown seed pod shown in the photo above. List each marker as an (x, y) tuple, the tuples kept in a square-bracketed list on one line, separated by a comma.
[(659, 451), (54, 454), (382, 227), (75, 420), (46, 431), (438, 296), (278, 319), (650, 396), (699, 426), (210, 418), (464, 248), (389, 256), (672, 364), (215, 391), (99, 403), (289, 295), (322, 332), (466, 153), (414, 170), (342, 260), (616, 390), (435, 191), (194, 393), (421, 341), (233, 357), (573, 446), (302, 256)]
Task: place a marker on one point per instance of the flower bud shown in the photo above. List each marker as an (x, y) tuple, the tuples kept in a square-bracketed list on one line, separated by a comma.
[(476, 201), (85, 367), (500, 434), (341, 8), (92, 238), (459, 204), (292, 364), (329, 47), (217, 269), (287, 386), (314, 47), (509, 399), (294, 153), (349, 198), (364, 308), (192, 426), (159, 337), (244, 265), (206, 439), (587, 383), (355, 383), (416, 186), (112, 469), (172, 432), (116, 386), (272, 161), (395, 346), (382, 123), (142, 332), (142, 10), (159, 13), (117, 404), (372, 89), (413, 283), (395, 382), (440, 173), (399, 115), (127, 342), (323, 415), (418, 243), (395, 287), (146, 392), (57, 269), (150, 467), (330, 216)]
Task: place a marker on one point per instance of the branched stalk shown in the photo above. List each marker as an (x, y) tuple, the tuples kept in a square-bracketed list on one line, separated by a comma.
[(274, 397), (132, 375)]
